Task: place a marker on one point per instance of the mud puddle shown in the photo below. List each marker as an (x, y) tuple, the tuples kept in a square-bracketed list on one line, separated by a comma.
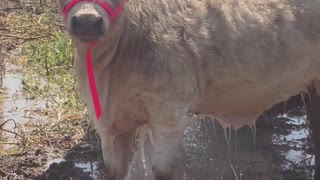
[(297, 145), (281, 153), (22, 114), (25, 117), (18, 108), (89, 168)]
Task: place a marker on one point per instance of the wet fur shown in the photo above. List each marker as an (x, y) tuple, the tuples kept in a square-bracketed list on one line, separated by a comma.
[(163, 58)]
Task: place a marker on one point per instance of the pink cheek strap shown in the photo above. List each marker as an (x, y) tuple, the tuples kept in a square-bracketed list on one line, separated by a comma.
[(90, 75)]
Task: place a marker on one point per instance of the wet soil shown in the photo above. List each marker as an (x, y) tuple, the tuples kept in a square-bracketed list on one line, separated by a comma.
[(283, 148), (283, 152)]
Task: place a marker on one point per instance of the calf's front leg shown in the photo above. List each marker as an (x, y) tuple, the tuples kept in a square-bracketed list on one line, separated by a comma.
[(116, 154)]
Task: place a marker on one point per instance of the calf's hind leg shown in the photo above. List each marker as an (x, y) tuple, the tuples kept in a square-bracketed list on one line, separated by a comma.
[(313, 115), (166, 153), (167, 134)]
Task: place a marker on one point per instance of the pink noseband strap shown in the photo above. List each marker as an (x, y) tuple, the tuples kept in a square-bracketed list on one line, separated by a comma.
[(91, 80), (112, 13)]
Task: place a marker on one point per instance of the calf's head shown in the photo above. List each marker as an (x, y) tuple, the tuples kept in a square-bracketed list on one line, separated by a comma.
[(88, 20)]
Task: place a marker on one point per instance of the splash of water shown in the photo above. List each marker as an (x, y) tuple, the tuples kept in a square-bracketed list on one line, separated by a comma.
[(143, 133)]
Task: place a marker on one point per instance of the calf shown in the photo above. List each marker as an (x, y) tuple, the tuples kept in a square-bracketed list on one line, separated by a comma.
[(149, 62)]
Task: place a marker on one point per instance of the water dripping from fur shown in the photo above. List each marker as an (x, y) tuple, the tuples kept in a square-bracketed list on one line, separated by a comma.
[(235, 142), (254, 134), (227, 136)]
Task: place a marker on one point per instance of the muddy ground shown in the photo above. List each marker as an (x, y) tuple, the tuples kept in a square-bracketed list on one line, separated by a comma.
[(282, 152), (283, 149)]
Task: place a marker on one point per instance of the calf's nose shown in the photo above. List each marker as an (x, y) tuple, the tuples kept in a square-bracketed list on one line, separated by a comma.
[(87, 25)]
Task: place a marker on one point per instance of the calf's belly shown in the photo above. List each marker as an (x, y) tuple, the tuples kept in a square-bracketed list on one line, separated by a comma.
[(241, 104)]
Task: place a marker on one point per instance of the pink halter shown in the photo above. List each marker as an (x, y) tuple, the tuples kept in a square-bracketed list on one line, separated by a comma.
[(112, 14)]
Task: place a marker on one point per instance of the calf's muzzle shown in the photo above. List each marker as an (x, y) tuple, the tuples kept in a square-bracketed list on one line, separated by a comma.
[(87, 27)]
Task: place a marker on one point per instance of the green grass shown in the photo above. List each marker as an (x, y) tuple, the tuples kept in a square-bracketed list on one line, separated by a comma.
[(46, 61), (47, 54), (50, 61)]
